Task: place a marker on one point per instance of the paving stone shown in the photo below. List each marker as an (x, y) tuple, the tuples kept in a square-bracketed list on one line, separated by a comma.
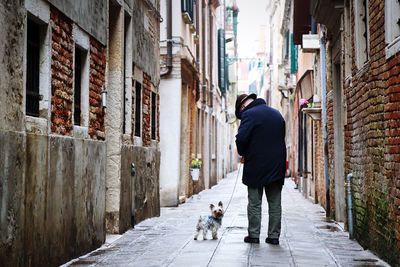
[(307, 238)]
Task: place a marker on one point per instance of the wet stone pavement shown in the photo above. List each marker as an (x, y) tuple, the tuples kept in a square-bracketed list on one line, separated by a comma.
[(307, 238)]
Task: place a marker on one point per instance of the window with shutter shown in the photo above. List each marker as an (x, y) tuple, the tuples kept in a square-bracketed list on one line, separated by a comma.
[(392, 27), (187, 11), (361, 32), (221, 60)]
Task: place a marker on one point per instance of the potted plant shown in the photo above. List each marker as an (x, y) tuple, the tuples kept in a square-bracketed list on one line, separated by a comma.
[(195, 166)]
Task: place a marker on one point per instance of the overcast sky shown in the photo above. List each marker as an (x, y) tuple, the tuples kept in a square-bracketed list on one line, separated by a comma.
[(252, 15)]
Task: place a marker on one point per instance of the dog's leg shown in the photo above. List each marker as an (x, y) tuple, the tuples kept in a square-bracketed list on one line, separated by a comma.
[(205, 234), (196, 234), (214, 234)]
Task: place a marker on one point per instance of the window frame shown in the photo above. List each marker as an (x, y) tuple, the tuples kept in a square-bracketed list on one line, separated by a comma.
[(32, 69), (39, 12), (362, 47), (187, 6), (82, 43), (392, 41), (138, 109), (153, 119)]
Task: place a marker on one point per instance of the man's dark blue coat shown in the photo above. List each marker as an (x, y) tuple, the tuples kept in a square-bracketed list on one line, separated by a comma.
[(261, 141)]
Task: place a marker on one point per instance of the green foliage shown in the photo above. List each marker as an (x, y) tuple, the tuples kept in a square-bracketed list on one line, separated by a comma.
[(195, 163)]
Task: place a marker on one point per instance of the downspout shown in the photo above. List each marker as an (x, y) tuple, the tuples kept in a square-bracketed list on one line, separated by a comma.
[(324, 126), (349, 205), (169, 40)]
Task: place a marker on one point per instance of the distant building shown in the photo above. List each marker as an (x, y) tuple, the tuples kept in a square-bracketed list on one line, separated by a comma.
[(193, 98)]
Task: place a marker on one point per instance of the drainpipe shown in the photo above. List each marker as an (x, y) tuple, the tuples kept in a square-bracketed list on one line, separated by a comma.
[(324, 127), (349, 205), (169, 39)]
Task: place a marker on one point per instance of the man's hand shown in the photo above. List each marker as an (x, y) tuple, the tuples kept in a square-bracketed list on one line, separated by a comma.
[(242, 160)]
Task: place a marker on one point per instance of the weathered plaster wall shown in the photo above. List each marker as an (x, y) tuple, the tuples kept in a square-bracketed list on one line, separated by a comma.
[(12, 17), (141, 198), (170, 112), (145, 33), (90, 15), (12, 189), (52, 198)]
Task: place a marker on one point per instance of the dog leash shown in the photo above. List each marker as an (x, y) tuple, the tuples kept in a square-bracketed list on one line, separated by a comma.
[(227, 207), (234, 187), (219, 240)]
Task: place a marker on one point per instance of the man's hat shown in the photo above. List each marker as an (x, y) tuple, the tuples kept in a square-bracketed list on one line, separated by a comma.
[(239, 102)]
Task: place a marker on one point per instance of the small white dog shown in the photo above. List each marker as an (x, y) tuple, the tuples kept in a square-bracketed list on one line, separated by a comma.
[(212, 222)]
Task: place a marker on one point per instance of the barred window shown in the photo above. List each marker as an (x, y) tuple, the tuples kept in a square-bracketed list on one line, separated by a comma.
[(138, 108), (32, 69), (78, 86), (153, 115)]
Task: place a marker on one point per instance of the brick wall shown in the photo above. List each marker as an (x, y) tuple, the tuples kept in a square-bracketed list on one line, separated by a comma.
[(319, 164), (96, 83), (372, 144), (330, 129), (61, 73), (62, 79), (146, 110)]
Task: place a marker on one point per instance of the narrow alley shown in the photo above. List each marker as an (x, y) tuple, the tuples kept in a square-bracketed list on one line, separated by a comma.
[(123, 120), (307, 239)]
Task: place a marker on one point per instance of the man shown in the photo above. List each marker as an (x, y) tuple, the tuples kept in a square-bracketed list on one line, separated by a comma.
[(261, 143)]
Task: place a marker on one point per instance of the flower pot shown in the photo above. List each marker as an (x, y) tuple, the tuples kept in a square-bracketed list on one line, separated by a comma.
[(195, 173)]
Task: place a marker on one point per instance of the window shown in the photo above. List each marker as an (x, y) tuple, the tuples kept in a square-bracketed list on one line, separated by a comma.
[(127, 103), (392, 27), (153, 115), (221, 60), (286, 46), (138, 107), (361, 32), (81, 87), (187, 10), (78, 86), (32, 69)]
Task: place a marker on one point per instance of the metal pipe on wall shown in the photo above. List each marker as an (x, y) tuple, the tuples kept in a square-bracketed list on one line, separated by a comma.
[(349, 177), (169, 40)]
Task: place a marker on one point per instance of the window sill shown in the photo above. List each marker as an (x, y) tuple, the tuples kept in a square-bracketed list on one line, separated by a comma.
[(137, 141), (392, 48), (81, 132), (363, 69), (36, 125)]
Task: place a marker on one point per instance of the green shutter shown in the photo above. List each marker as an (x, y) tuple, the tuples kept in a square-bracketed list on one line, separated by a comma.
[(293, 56), (221, 60)]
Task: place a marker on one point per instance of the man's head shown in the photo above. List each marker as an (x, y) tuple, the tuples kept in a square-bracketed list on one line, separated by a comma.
[(241, 102)]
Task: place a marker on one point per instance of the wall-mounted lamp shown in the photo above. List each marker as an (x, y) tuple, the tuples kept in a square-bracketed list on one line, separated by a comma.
[(104, 98)]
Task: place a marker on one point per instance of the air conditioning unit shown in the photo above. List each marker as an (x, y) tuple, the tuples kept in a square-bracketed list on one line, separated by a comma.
[(310, 43)]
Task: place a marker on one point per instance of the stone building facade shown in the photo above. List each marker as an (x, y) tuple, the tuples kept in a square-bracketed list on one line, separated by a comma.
[(80, 132), (193, 101), (132, 121), (357, 64)]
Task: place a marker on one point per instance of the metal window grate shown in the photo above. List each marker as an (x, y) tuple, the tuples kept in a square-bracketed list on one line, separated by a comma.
[(138, 108), (153, 115), (78, 84), (32, 69)]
